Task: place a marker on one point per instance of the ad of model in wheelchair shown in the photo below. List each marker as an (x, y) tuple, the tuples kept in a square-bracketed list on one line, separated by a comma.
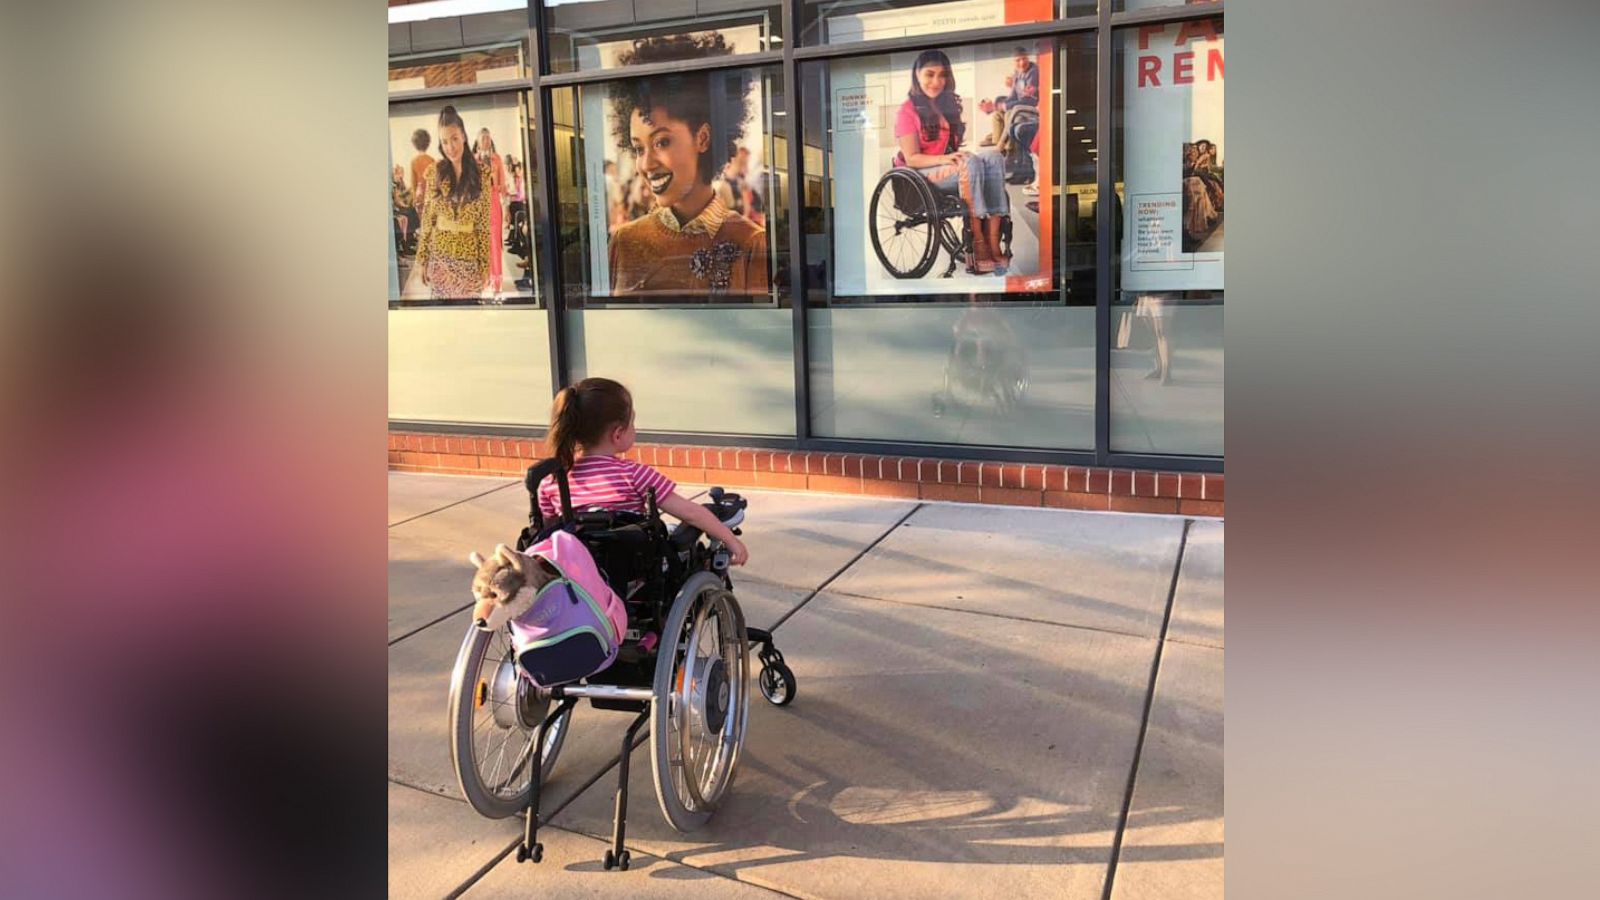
[(940, 158), (611, 607)]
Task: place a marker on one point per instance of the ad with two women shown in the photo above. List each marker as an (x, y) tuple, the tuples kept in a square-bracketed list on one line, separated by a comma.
[(678, 180), (941, 160), (459, 201)]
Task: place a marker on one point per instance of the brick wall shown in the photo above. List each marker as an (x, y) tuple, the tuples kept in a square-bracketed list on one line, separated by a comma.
[(1014, 484)]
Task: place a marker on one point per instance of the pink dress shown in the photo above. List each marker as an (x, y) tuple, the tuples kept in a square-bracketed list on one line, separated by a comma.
[(497, 235)]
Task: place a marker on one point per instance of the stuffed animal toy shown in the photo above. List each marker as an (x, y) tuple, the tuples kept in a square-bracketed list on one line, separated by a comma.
[(506, 584)]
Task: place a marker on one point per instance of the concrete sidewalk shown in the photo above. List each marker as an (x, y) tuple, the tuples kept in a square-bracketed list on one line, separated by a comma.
[(992, 702)]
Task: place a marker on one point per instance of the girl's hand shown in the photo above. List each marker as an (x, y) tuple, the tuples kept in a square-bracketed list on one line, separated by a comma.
[(738, 555)]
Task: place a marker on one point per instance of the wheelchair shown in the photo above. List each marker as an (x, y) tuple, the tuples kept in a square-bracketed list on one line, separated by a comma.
[(986, 362), (683, 669), (911, 225)]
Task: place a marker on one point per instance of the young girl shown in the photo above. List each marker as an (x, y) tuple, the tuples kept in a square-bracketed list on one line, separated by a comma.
[(590, 423)]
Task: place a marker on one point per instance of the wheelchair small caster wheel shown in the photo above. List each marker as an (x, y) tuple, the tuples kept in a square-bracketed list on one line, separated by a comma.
[(624, 860), (613, 861), (523, 855), (777, 684)]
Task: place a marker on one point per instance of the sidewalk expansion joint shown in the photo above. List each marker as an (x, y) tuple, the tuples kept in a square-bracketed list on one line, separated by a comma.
[(994, 615), (426, 626), (679, 862), (429, 791), (842, 569), (1144, 720), (457, 503)]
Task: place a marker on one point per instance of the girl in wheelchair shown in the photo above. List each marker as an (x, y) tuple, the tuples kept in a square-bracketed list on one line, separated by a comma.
[(930, 132), (591, 423)]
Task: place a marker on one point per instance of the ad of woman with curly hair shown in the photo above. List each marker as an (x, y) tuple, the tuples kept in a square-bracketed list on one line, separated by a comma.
[(674, 139)]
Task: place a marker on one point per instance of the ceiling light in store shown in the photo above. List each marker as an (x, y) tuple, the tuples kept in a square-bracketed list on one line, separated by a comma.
[(1086, 140), (1079, 127), (1070, 112)]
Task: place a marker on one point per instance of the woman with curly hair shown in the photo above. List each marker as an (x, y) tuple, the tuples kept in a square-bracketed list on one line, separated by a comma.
[(453, 243), (690, 242), (930, 132)]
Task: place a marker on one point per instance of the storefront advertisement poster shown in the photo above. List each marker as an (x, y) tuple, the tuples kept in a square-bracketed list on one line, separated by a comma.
[(450, 241), (1173, 157), (678, 185), (946, 226)]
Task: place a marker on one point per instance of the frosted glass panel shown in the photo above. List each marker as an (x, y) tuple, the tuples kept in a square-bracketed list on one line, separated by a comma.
[(470, 365), (728, 371), (1183, 413), (999, 375)]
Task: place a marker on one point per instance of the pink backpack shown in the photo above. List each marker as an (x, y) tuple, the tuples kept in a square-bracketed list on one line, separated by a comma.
[(576, 623)]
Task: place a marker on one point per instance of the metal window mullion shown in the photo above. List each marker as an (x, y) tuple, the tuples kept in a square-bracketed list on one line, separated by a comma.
[(1166, 14), (1105, 223), (992, 34), (793, 197), (550, 272), (743, 61), (457, 90)]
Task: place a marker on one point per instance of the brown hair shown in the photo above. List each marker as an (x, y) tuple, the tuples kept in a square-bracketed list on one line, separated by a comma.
[(582, 414)]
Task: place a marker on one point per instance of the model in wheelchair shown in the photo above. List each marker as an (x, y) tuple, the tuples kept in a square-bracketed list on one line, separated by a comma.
[(682, 667)]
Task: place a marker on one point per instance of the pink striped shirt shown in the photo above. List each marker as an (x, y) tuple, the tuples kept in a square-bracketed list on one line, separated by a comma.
[(607, 482)]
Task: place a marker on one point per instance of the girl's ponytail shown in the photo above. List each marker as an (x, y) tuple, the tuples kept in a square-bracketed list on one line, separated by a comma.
[(581, 415)]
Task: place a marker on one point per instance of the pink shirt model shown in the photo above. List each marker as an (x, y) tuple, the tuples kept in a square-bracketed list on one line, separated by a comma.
[(908, 122)]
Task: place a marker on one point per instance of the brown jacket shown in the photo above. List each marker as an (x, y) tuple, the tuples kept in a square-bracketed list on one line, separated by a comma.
[(717, 253)]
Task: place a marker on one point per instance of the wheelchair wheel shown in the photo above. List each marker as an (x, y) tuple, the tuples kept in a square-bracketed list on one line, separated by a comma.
[(905, 224), (777, 684), (494, 720), (697, 722)]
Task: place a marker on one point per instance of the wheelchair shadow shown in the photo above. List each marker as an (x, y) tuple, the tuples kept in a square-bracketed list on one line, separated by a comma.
[(966, 783), (985, 817)]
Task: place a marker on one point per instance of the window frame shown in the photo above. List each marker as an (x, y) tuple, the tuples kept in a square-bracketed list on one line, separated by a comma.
[(542, 81)]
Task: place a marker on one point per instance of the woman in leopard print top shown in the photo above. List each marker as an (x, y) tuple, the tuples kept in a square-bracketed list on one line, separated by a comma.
[(454, 243)]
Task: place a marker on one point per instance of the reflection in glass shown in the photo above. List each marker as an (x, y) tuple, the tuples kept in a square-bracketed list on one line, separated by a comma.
[(845, 21), (969, 373), (431, 45), (1167, 314), (600, 34), (948, 352)]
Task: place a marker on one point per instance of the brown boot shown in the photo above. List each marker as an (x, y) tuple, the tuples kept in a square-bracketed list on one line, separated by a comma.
[(982, 261), (996, 248)]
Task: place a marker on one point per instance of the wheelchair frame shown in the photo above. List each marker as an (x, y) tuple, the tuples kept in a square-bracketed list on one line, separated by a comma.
[(672, 560), (936, 210)]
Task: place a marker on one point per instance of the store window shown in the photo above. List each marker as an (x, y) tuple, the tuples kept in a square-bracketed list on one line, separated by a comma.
[(1167, 323), (674, 250), (445, 43), (949, 241), (468, 342), (602, 34), (844, 21), (461, 186)]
